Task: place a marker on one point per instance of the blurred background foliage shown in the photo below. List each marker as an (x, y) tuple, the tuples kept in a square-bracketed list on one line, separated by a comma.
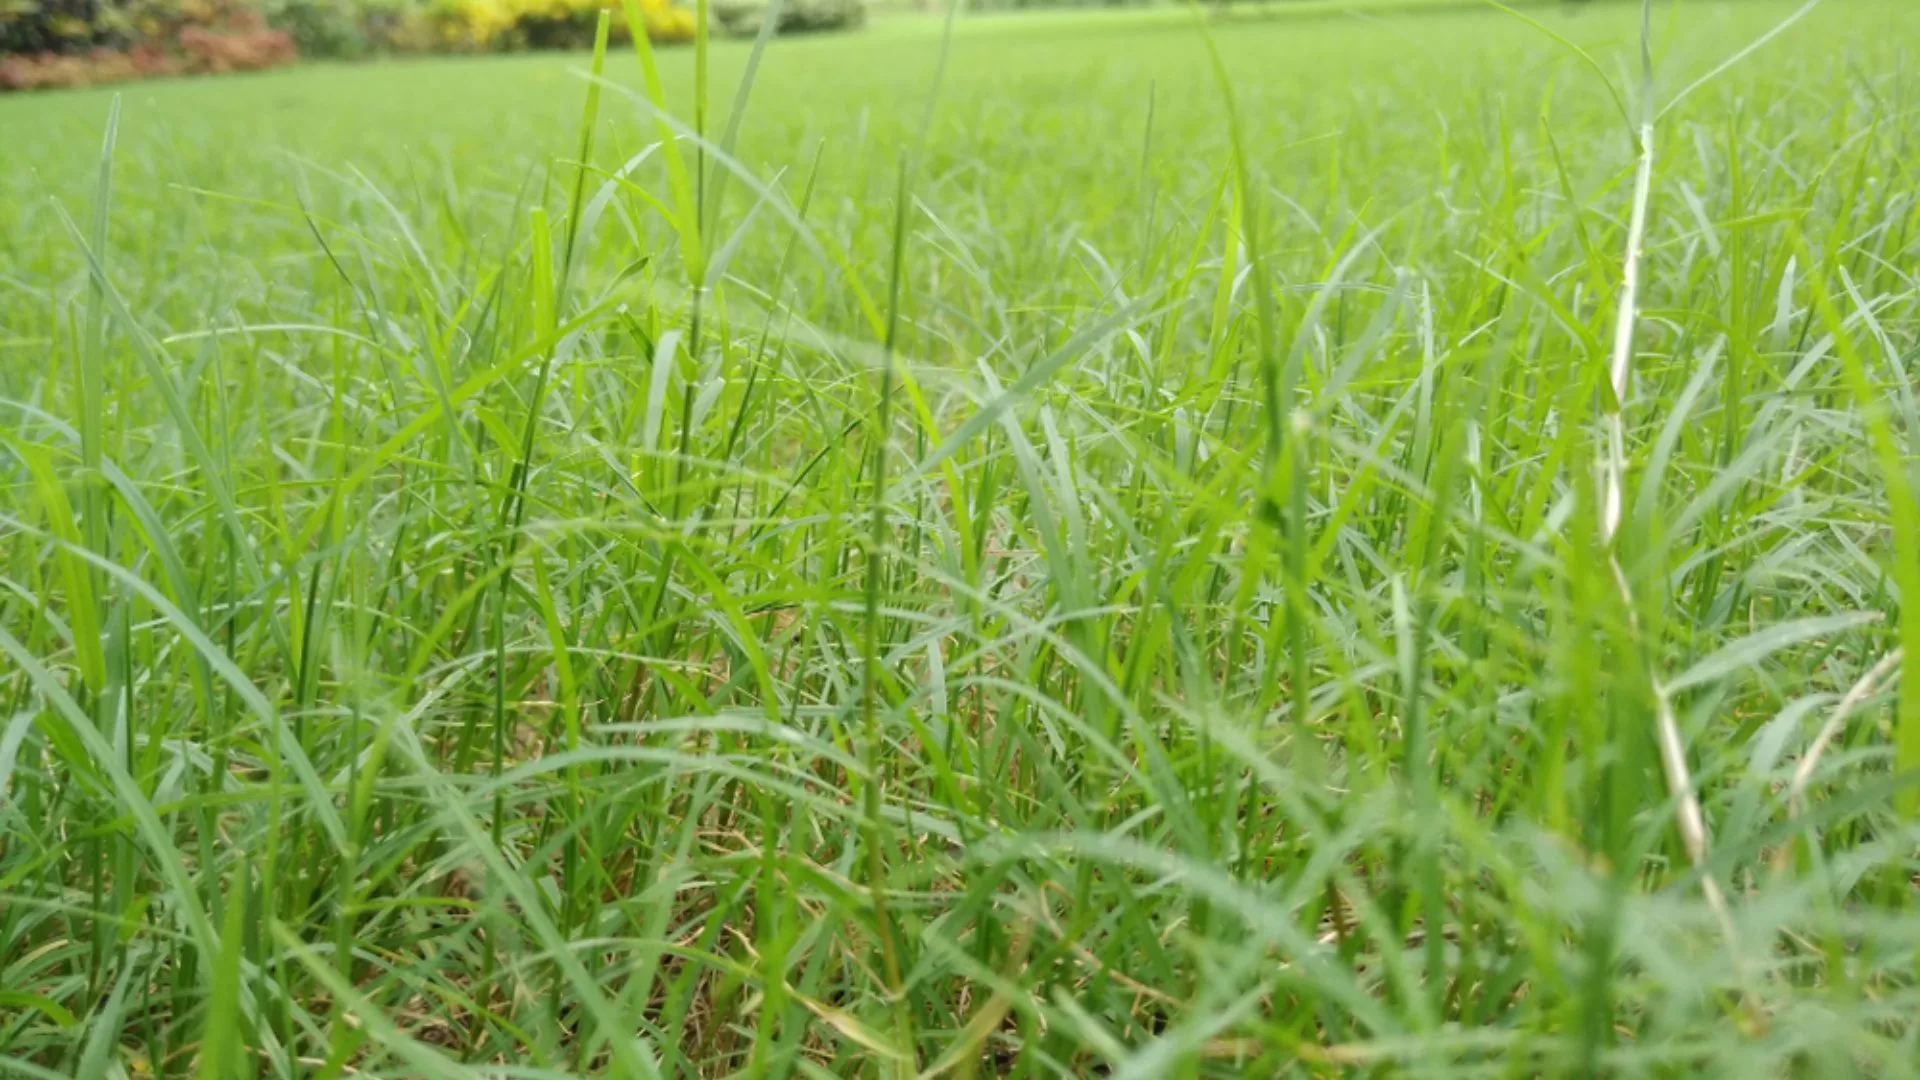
[(795, 17), (46, 43), (52, 43), (327, 28)]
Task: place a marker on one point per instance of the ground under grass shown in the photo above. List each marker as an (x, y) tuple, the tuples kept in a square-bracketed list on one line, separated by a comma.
[(1048, 555)]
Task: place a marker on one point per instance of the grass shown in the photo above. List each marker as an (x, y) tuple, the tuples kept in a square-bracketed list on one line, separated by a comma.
[(1072, 550)]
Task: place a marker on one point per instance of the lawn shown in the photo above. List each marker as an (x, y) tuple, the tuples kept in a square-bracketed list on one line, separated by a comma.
[(1059, 550)]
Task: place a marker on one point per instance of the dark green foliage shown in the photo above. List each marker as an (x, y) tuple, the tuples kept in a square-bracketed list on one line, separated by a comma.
[(56, 25), (341, 28), (796, 16)]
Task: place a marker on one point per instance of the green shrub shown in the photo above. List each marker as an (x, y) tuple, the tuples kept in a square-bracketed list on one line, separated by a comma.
[(48, 25), (556, 24), (322, 27), (796, 16)]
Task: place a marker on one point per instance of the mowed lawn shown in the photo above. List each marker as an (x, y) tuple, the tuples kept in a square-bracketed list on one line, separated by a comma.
[(1059, 550)]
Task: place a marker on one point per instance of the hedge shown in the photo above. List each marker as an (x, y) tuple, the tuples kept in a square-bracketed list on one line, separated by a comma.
[(796, 16), (46, 43)]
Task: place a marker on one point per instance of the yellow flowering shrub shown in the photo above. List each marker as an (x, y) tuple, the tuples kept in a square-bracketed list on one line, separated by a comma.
[(469, 25), (665, 20), (481, 25)]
